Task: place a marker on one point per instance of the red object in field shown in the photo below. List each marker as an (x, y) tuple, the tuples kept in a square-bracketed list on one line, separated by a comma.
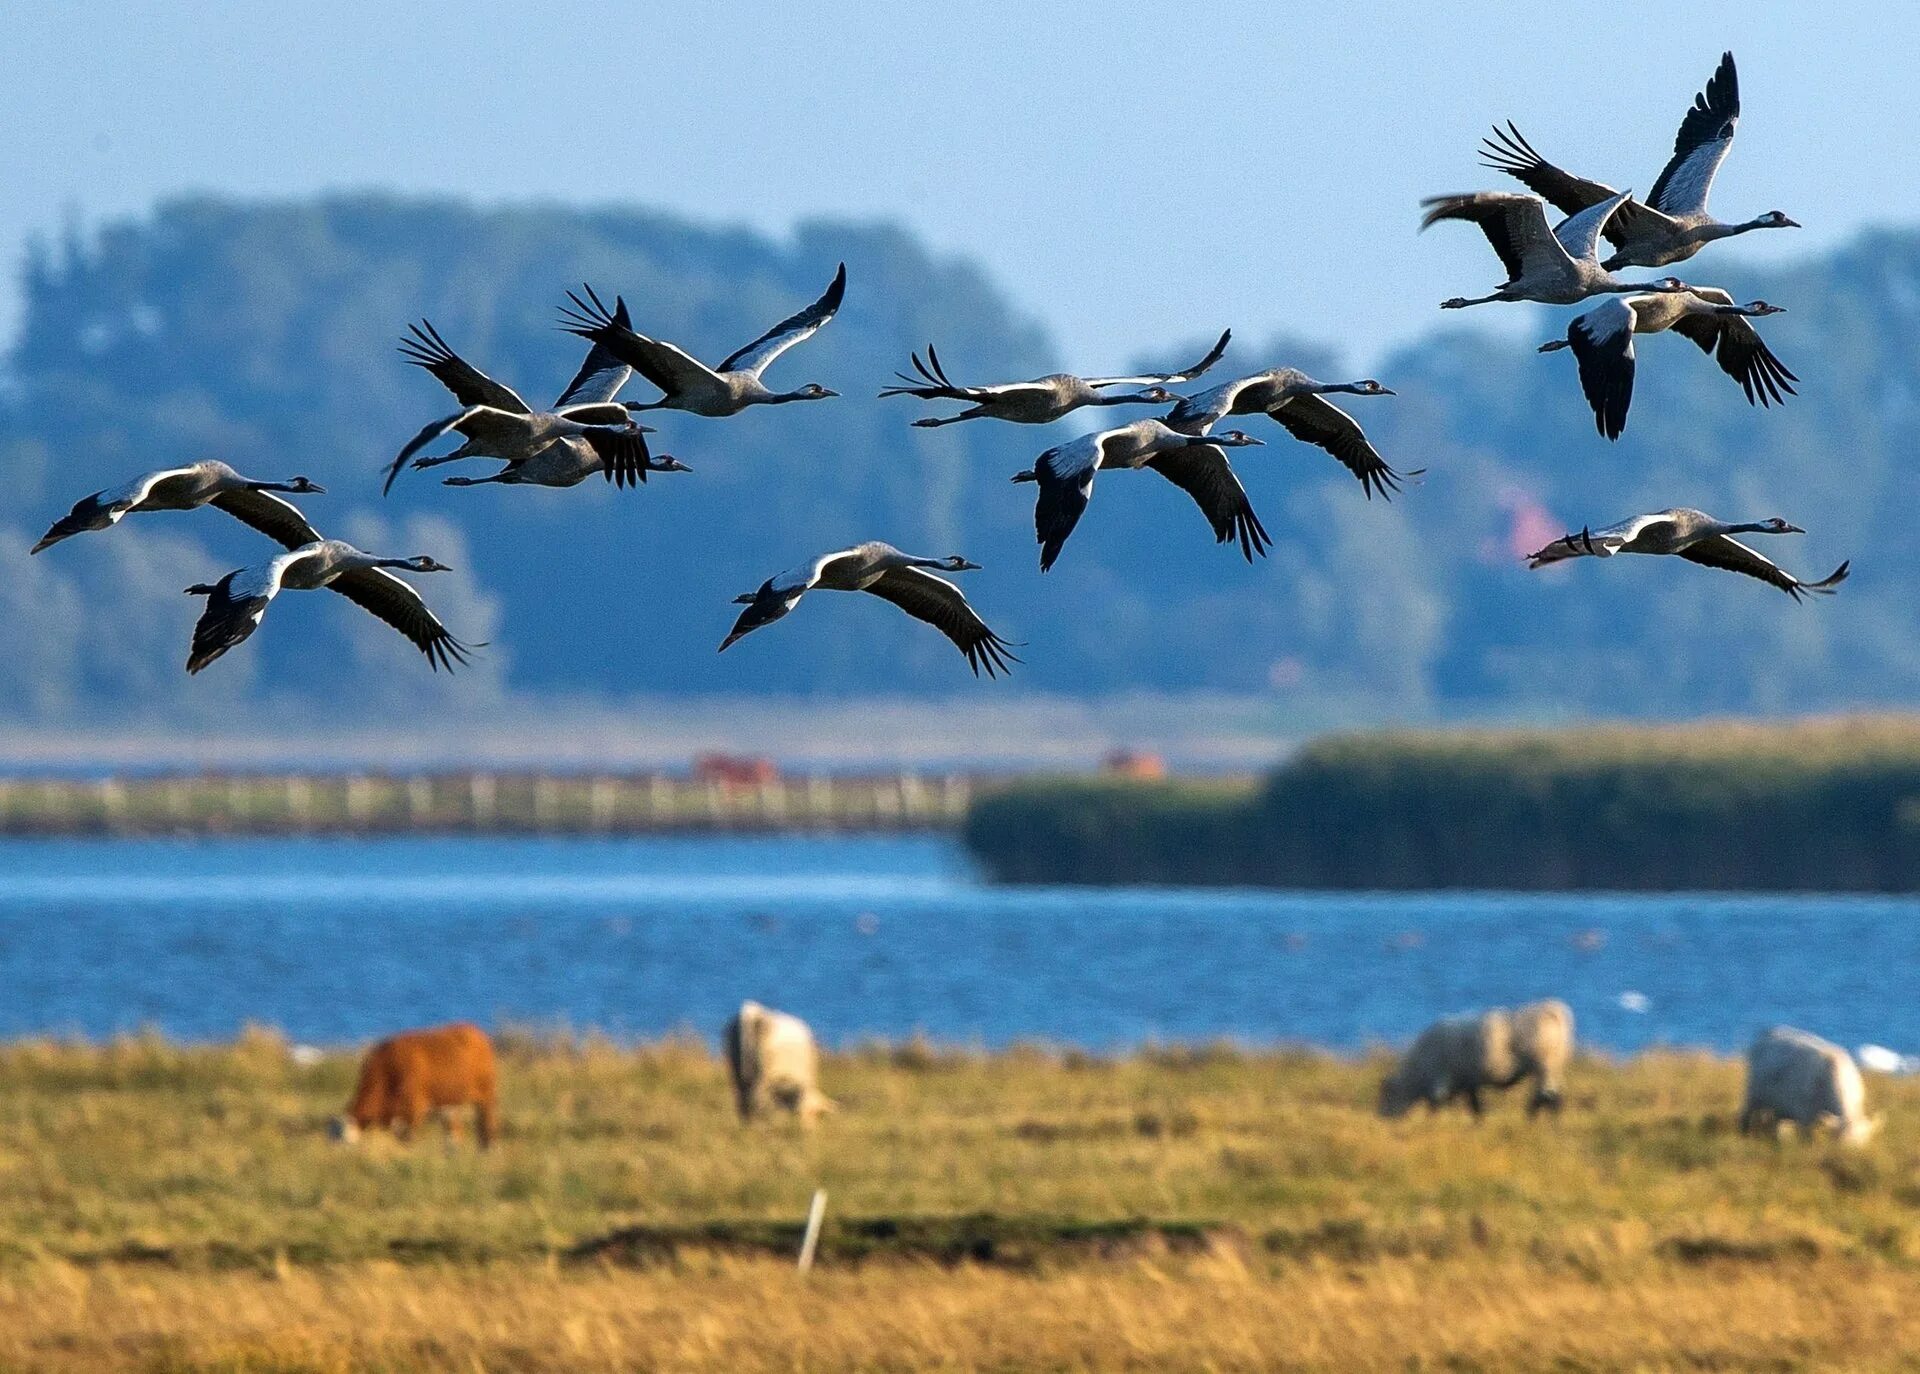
[(734, 770), (1136, 764)]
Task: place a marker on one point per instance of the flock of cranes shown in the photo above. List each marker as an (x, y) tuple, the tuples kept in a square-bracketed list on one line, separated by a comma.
[(588, 430)]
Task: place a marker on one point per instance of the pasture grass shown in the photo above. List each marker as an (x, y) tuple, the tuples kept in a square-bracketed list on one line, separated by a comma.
[(170, 1208)]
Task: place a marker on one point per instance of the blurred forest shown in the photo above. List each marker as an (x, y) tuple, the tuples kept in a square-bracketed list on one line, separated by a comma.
[(263, 333)]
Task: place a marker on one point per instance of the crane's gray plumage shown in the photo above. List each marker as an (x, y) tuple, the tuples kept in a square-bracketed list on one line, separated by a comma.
[(238, 602), (1041, 400), (1695, 536), (1673, 224), (1556, 265), (208, 483), (563, 463), (1297, 403), (1196, 463), (689, 384), (1602, 343), (886, 572), (497, 423)]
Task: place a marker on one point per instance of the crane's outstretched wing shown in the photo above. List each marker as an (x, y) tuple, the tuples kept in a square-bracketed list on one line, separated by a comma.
[(603, 373), (671, 369), (1065, 475), (1704, 140), (271, 515), (397, 603), (1508, 151), (1733, 342), (796, 328), (1579, 233), (623, 453), (1602, 343), (236, 604), (1514, 224), (469, 385), (446, 424), (933, 384), (1324, 425), (103, 509), (1721, 551), (1604, 542), (942, 605), (1186, 374), (1203, 472)]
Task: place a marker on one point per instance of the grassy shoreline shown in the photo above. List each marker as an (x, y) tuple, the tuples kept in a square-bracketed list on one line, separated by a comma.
[(167, 1207)]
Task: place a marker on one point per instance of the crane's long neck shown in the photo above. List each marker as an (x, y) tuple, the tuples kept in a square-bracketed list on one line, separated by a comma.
[(1331, 388), (270, 486), (1748, 527), (1708, 233), (1124, 398)]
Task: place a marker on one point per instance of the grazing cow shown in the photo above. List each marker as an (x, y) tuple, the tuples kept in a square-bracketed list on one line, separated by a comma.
[(773, 1060), (410, 1075), (1462, 1055), (1798, 1077)]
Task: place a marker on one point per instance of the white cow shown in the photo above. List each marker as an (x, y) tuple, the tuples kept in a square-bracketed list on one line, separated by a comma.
[(1798, 1077), (773, 1060)]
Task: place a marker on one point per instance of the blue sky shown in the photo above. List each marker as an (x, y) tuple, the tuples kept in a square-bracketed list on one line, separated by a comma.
[(1131, 174)]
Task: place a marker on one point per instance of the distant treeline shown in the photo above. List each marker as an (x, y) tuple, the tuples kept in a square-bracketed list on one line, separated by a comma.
[(1821, 805)]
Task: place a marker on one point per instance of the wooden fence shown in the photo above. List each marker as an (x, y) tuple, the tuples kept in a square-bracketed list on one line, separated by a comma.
[(476, 803)]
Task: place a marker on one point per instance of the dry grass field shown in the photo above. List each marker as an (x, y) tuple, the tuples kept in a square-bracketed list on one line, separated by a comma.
[(167, 1208)]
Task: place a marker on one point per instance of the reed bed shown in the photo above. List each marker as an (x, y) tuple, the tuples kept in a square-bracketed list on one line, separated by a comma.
[(1816, 805)]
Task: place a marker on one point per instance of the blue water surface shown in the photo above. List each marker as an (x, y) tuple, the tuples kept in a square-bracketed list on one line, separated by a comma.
[(341, 940)]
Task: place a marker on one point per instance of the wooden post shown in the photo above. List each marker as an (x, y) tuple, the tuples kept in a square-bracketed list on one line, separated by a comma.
[(299, 802), (113, 803), (954, 795), (816, 1214), (356, 801), (419, 801), (480, 799)]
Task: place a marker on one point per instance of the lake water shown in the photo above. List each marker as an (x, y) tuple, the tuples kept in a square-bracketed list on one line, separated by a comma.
[(338, 941)]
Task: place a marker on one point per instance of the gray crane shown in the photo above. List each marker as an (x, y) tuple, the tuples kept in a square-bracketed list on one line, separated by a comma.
[(1196, 463), (902, 578), (496, 423), (1695, 536), (688, 383), (1602, 344), (208, 483), (1673, 224), (1554, 266), (1298, 404), (1041, 400), (237, 603)]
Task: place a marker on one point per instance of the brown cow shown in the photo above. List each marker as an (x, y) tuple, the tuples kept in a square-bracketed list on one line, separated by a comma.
[(414, 1073)]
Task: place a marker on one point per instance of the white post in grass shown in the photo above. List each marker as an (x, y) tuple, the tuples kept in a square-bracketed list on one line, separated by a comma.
[(816, 1214)]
